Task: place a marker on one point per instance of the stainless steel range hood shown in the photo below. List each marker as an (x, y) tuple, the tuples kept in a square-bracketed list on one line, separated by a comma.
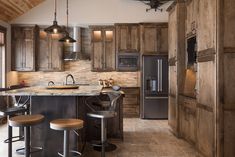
[(72, 50)]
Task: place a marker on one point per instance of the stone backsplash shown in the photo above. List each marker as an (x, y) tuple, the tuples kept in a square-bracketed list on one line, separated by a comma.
[(81, 70)]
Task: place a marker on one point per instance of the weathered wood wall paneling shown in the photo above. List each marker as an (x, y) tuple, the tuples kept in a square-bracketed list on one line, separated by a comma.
[(176, 38)]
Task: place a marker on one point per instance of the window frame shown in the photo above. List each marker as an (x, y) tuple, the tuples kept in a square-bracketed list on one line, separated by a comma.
[(4, 57)]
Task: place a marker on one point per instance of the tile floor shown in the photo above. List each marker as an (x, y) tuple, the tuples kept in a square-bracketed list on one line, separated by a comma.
[(142, 138)]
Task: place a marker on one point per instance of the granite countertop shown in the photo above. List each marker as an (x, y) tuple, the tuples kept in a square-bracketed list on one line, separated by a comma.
[(90, 90)]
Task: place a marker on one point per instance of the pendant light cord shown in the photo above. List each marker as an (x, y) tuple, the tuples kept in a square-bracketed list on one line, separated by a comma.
[(67, 12), (55, 10)]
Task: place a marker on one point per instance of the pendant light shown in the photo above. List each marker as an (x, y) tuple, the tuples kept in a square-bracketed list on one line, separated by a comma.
[(67, 38), (55, 28)]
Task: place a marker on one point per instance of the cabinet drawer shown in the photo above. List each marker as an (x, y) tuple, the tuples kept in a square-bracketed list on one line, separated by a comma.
[(130, 101)]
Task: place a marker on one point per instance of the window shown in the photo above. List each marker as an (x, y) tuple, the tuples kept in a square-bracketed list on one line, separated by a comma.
[(2, 56)]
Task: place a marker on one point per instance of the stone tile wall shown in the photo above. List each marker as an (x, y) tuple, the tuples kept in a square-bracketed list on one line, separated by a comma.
[(81, 70)]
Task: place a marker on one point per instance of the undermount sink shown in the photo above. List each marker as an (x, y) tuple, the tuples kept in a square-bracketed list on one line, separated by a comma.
[(63, 86)]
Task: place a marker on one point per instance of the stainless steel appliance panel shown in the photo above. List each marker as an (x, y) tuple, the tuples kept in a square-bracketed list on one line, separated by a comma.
[(155, 87)]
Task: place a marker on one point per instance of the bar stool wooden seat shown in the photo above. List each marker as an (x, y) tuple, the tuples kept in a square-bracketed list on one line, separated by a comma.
[(66, 125), (26, 121)]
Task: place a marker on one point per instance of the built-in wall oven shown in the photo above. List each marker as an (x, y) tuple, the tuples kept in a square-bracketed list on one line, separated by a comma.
[(128, 61)]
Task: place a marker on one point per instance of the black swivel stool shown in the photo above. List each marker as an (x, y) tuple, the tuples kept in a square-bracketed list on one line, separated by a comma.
[(26, 121), (66, 125), (20, 107), (104, 115)]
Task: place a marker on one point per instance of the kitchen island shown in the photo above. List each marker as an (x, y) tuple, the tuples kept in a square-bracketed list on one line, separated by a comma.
[(69, 103)]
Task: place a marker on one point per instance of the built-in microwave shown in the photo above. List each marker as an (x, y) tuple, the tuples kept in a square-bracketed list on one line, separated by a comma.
[(128, 61)]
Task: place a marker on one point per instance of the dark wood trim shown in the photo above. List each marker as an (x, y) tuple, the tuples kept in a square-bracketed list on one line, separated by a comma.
[(229, 109), (172, 61), (206, 55), (159, 24), (126, 24), (205, 107), (187, 97), (229, 50)]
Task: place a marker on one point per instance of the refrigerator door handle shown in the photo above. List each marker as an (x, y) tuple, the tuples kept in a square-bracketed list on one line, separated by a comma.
[(161, 75), (158, 75)]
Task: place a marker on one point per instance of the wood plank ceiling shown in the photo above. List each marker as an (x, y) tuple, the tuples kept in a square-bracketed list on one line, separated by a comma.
[(11, 9)]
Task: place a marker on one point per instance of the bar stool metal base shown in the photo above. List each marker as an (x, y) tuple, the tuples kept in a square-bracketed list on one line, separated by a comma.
[(21, 151), (108, 147), (72, 153)]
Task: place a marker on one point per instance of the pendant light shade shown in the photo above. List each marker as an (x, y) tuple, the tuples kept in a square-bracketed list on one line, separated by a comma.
[(55, 28), (67, 38)]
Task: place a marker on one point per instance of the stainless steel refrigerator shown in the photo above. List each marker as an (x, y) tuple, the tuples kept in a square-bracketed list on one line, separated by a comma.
[(155, 87)]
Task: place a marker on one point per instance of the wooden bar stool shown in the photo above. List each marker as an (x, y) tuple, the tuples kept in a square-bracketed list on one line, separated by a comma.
[(26, 121), (66, 125)]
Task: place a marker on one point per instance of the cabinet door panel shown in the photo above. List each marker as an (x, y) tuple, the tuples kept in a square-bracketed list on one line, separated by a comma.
[(150, 40), (97, 55), (43, 53), (28, 49), (123, 38), (134, 38), (55, 61), (18, 54), (163, 44), (109, 56)]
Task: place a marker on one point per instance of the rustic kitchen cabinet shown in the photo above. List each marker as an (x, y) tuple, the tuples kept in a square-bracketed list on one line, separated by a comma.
[(128, 38), (154, 38), (131, 102), (103, 48), (23, 42), (50, 52)]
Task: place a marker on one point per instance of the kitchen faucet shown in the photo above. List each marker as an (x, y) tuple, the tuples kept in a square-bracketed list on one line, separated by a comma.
[(69, 75)]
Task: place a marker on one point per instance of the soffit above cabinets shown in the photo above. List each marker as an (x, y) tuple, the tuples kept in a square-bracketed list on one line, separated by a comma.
[(11, 9)]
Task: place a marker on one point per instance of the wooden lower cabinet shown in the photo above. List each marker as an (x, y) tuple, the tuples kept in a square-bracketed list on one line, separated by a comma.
[(131, 102)]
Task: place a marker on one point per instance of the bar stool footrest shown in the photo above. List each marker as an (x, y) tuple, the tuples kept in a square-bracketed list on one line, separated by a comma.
[(72, 152), (14, 139), (21, 151)]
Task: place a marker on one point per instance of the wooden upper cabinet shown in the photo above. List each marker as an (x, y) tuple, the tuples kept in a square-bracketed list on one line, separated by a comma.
[(50, 53), (103, 48), (127, 38), (24, 47), (154, 38)]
